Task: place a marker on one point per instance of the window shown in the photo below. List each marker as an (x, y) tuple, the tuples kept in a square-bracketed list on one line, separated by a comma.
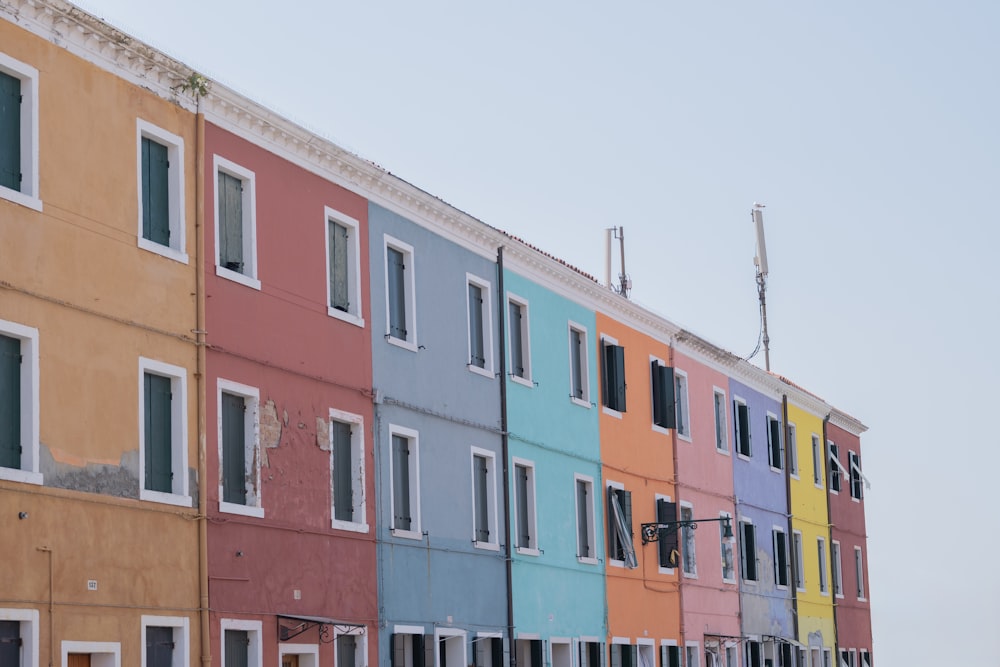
[(488, 650), (161, 191), (800, 579), (775, 445), (847, 657), (591, 653), (480, 326), (621, 550), (350, 648), (613, 375), (754, 654), (520, 340), (664, 398), (241, 645), (98, 654), (836, 569), (748, 550), (19, 637), (343, 257), (726, 546), (484, 499), (670, 655), (721, 434), (405, 471), (821, 557), (163, 433), (586, 547), (579, 380), (814, 658), (859, 572), (19, 133), (780, 544), (692, 652), (688, 559), (667, 545), (742, 417), (834, 467), (450, 647), (793, 454), (401, 325), (624, 655), (347, 471), (817, 456), (866, 660), (529, 652), (681, 404), (165, 640), (298, 655), (731, 659), (524, 500), (239, 449), (854, 463), (410, 647), (827, 657), (19, 454), (235, 223)]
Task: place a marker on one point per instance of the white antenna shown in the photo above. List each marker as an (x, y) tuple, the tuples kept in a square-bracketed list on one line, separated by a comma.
[(624, 282), (760, 261)]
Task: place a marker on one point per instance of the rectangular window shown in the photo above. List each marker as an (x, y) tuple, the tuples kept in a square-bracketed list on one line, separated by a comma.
[(19, 444), (161, 191), (866, 660), (827, 658), (399, 294), (519, 339), (775, 445), (613, 375), (662, 378), (821, 559), (624, 655), (480, 326), (681, 404), (591, 654), (579, 381), (239, 449), (347, 471), (411, 648), (19, 637), (854, 465), (524, 499), (350, 649), (836, 569), (19, 133), (817, 455), (859, 572), (670, 655), (488, 651), (731, 659), (165, 640), (484, 498), (742, 417), (241, 643), (405, 483), (780, 544), (163, 433), (235, 223), (793, 454), (726, 546), (688, 558), (797, 564), (586, 547), (834, 467), (668, 547), (691, 653), (343, 259), (721, 433), (620, 546), (754, 654), (748, 551)]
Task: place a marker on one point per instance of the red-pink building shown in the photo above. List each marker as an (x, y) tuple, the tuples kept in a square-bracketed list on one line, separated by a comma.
[(290, 485)]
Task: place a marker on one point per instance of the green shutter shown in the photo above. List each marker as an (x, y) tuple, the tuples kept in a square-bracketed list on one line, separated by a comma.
[(155, 192), (582, 520), (10, 402), (401, 483), (230, 222), (339, 294), (397, 294), (516, 339), (664, 397), (234, 475), (476, 333), (346, 649), (237, 648), (158, 436), (576, 363), (343, 491), (774, 439), (159, 646), (10, 132), (521, 490), (480, 489)]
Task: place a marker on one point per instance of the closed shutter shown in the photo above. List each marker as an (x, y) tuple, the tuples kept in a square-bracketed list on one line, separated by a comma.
[(10, 132), (516, 340), (158, 437), (346, 651), (159, 646), (748, 552), (666, 512), (10, 402), (343, 488), (397, 644), (496, 652), (155, 192), (742, 428), (10, 643), (480, 488), (478, 357), (536, 653), (418, 651), (664, 414), (576, 357), (521, 491), (614, 377), (339, 295), (397, 294), (774, 436), (401, 483), (780, 559), (230, 222), (237, 648), (234, 482), (582, 520)]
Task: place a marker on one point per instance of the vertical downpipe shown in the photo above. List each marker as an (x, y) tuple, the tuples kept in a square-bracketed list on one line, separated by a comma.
[(829, 537), (505, 452), (199, 235), (677, 499), (788, 502)]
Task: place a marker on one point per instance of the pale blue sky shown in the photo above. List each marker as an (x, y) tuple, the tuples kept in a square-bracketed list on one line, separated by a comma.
[(871, 133)]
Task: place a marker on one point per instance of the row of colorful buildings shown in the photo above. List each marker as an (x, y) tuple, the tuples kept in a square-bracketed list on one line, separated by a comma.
[(263, 403)]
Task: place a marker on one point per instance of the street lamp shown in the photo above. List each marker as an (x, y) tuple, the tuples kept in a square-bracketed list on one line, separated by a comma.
[(651, 532)]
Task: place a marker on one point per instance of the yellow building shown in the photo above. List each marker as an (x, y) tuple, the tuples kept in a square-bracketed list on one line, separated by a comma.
[(98, 312)]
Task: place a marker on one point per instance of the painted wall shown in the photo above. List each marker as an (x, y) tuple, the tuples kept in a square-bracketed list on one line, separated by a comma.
[(440, 579), (281, 340), (555, 594)]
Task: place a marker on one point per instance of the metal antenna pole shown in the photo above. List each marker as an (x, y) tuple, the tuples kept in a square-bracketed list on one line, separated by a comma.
[(761, 291), (623, 279)]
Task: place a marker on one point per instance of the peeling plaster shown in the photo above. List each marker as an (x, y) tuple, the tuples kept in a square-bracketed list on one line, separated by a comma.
[(270, 429), (323, 434)]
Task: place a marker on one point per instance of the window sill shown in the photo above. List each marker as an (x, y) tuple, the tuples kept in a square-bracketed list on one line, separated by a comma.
[(163, 251), (661, 430), (34, 203), (794, 475), (407, 534), (524, 381), (526, 551), (777, 470), (488, 546), (669, 571), (690, 575), (611, 412), (23, 476), (729, 581), (399, 342), (236, 277), (750, 582), (579, 401), (741, 455), (839, 596), (485, 372), (686, 437), (243, 510), (350, 318), (722, 452), (165, 498), (818, 486), (349, 525), (586, 560), (614, 562)]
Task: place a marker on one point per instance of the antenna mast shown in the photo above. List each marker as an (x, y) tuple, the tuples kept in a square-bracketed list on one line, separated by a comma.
[(624, 282), (760, 261)]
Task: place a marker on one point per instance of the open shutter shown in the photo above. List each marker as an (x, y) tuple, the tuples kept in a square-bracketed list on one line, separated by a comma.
[(742, 427), (619, 365), (10, 402), (10, 132), (397, 645), (158, 438), (429, 650), (401, 483), (397, 294), (339, 296), (536, 653), (230, 222), (343, 491), (155, 192), (234, 484), (476, 334)]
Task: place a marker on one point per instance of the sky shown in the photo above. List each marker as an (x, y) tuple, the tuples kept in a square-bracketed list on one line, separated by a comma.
[(871, 131)]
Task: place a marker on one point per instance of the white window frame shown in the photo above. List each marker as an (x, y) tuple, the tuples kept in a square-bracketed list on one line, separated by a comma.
[(408, 648), (798, 566), (177, 375), (771, 417), (662, 570), (690, 647), (355, 312), (358, 455), (251, 395), (591, 518), (29, 629), (255, 653), (837, 570), (859, 574), (29, 472), (737, 443), (732, 550), (817, 452), (572, 326), (493, 543), (864, 658), (102, 654), (446, 634), (682, 405), (693, 572), (647, 647), (774, 552), (182, 637), (525, 340), (529, 466), (413, 461), (361, 646), (791, 445), (487, 316), (664, 644), (718, 392), (409, 293), (177, 250), (250, 277), (29, 194), (308, 651), (824, 587), (477, 642)]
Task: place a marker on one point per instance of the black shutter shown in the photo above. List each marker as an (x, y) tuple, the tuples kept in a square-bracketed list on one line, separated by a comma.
[(237, 648), (10, 643), (780, 559), (158, 437), (401, 483), (397, 294), (10, 132), (521, 491), (159, 646), (230, 222), (516, 334), (496, 652), (234, 467), (343, 486), (155, 192), (614, 377), (742, 427), (774, 436), (749, 552), (666, 512), (664, 414), (582, 520), (10, 402), (536, 653)]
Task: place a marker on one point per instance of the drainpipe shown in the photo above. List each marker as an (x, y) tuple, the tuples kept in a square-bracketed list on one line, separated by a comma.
[(199, 235), (788, 502), (52, 636), (829, 540), (677, 494), (505, 452)]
